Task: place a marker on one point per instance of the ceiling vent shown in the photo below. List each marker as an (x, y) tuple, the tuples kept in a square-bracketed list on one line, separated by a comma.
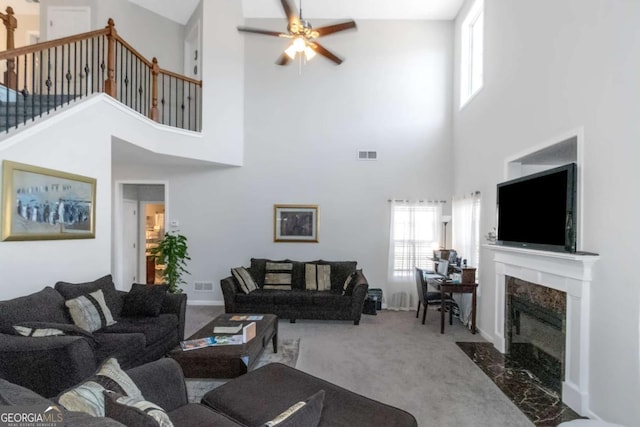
[(367, 155)]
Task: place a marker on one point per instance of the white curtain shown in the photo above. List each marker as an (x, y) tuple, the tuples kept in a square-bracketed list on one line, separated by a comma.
[(466, 241), (414, 234)]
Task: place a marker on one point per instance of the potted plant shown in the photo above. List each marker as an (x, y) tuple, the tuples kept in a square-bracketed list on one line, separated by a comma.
[(172, 253)]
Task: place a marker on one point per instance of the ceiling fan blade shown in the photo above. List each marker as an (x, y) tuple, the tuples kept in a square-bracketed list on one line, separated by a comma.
[(265, 32), (292, 15), (283, 59), (318, 48), (330, 29)]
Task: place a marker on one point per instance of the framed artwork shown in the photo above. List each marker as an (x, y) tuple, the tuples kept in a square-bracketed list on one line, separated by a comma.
[(295, 223), (45, 204)]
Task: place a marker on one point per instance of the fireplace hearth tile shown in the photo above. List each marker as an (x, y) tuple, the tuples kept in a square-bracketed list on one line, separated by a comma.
[(540, 404)]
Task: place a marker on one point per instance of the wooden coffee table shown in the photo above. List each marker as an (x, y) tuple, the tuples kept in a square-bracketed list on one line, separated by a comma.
[(227, 361)]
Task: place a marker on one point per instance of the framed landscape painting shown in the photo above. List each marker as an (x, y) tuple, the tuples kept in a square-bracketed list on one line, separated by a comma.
[(295, 223), (45, 204)]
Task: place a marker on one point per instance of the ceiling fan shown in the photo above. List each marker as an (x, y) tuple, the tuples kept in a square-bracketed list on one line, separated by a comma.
[(302, 36)]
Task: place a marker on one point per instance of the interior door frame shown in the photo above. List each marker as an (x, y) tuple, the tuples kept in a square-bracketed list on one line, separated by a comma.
[(117, 251)]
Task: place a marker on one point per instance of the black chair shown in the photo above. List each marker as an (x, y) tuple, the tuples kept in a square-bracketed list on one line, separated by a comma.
[(425, 296)]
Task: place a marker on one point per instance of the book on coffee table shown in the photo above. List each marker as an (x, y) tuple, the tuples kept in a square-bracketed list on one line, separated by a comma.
[(224, 329), (211, 342), (239, 318), (249, 332)]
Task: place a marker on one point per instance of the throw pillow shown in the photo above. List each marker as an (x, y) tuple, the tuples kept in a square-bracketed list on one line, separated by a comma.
[(317, 277), (45, 329), (144, 300), (350, 283), (37, 332), (278, 275), (246, 282), (90, 312), (302, 414), (88, 398), (133, 411), (112, 297)]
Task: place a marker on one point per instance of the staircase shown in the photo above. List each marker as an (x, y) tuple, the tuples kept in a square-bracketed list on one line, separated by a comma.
[(26, 108), (78, 66)]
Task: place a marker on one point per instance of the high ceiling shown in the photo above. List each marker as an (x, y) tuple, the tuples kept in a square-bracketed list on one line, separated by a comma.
[(181, 10), (322, 9)]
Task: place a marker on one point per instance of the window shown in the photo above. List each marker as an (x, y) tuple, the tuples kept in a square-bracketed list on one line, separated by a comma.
[(471, 62), (415, 233)]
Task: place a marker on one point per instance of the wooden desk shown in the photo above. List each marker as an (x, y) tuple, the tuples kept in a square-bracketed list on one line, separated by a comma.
[(456, 288)]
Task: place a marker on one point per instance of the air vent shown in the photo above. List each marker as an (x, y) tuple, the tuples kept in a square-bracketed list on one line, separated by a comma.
[(367, 155), (203, 286)]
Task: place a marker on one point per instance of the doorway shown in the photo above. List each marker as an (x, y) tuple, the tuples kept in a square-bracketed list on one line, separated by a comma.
[(142, 227)]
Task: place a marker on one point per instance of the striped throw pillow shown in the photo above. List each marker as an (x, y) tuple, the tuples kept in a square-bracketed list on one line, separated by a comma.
[(301, 414), (37, 332), (88, 398), (90, 312), (317, 277), (134, 411), (278, 275), (246, 282)]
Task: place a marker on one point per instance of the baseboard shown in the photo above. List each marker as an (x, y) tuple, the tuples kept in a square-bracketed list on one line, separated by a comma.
[(204, 302)]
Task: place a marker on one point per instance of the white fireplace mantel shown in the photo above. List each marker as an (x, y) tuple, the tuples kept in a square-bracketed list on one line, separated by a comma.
[(570, 273)]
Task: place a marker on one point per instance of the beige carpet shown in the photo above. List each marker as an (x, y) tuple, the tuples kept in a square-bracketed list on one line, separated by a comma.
[(395, 359)]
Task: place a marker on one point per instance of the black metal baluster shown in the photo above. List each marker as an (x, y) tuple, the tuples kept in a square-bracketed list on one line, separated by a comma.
[(170, 98), (49, 83), (75, 72), (6, 105), (61, 80), (25, 91), (162, 100), (135, 86), (86, 66), (183, 106), (126, 82), (40, 81), (33, 86), (197, 109), (17, 70), (68, 75)]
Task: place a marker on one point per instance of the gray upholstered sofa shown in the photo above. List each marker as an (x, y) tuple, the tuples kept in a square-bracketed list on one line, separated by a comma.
[(49, 364), (249, 400), (292, 294)]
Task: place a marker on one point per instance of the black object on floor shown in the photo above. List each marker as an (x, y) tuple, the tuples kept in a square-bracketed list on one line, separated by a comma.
[(542, 405), (376, 295), (369, 307)]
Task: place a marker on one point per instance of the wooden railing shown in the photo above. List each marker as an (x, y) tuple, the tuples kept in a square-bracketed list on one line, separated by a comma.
[(44, 76)]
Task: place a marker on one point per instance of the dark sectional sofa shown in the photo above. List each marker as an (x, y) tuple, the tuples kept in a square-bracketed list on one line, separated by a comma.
[(337, 303), (50, 364), (250, 400)]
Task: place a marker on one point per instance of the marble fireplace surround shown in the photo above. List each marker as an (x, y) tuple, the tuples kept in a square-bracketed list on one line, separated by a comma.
[(570, 273)]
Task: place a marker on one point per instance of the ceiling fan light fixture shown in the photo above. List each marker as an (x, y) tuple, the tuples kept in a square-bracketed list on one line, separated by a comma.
[(299, 44), (309, 53), (291, 51)]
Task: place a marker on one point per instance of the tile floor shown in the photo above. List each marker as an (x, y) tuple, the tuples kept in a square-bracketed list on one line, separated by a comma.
[(540, 404)]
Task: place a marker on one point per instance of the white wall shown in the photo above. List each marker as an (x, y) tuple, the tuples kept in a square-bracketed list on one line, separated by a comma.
[(149, 33), (223, 74), (392, 94), (27, 267), (551, 67)]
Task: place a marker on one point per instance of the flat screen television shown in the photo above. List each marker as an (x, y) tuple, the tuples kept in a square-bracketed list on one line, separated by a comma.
[(539, 211)]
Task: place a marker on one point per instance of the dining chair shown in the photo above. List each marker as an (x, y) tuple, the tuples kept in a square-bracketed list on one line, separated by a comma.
[(425, 297)]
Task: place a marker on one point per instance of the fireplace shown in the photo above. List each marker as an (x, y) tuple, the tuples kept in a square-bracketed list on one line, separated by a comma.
[(535, 319), (541, 309)]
